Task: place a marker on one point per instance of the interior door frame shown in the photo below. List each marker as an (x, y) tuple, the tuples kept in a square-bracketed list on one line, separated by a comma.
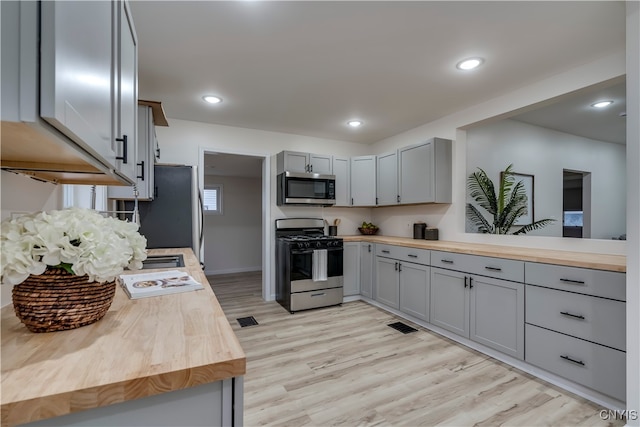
[(267, 233)]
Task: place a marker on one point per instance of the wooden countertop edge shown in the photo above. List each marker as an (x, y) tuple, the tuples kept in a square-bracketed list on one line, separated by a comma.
[(608, 262), (94, 397), (52, 405)]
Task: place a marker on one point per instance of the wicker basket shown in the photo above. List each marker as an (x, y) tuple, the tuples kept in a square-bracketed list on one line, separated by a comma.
[(57, 301), (368, 230)]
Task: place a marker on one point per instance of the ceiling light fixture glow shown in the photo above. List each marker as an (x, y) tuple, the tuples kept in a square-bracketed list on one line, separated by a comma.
[(601, 104), (469, 64), (354, 123), (212, 99)]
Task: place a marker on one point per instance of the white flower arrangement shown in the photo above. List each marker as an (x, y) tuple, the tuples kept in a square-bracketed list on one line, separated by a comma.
[(80, 241)]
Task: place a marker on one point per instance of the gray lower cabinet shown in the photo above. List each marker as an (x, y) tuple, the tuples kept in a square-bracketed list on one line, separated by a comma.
[(367, 251), (351, 268), (449, 301), (387, 282), (576, 325), (414, 289), (592, 365), (400, 284), (486, 310)]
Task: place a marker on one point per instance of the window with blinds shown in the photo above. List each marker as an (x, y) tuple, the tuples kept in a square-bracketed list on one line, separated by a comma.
[(212, 199)]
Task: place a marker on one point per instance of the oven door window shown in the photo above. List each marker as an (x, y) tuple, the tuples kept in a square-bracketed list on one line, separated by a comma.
[(302, 264), (301, 188)]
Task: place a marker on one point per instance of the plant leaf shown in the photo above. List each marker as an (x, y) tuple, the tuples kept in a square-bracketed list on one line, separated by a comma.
[(478, 220), (535, 226)]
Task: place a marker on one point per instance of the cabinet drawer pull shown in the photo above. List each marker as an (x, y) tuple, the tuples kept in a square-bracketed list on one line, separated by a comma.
[(396, 266), (413, 256), (577, 362), (141, 176), (575, 282), (466, 281), (470, 282), (492, 268), (369, 248), (446, 261), (384, 251), (321, 294), (124, 149), (575, 316)]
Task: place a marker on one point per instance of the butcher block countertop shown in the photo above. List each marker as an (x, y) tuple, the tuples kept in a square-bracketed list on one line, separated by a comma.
[(573, 259), (140, 348)]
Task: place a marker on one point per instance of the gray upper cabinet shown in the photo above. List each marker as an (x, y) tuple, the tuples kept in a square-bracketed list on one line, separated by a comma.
[(341, 170), (126, 90), (425, 172), (70, 78), (387, 179), (147, 149), (294, 161), (363, 179), (76, 81)]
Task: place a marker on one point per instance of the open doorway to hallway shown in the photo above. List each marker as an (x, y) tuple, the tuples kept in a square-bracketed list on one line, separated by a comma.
[(233, 222)]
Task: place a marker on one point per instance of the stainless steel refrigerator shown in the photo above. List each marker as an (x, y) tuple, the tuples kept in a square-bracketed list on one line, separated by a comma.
[(174, 218)]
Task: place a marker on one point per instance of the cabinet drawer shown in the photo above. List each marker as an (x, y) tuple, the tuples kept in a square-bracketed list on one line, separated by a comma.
[(418, 256), (389, 251), (606, 284), (500, 268), (592, 365), (314, 299), (600, 320)]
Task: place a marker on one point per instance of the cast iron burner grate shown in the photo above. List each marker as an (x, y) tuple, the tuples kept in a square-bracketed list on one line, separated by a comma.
[(247, 321), (405, 329)]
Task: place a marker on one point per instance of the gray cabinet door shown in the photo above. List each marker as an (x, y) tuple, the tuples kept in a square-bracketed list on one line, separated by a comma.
[(341, 169), (414, 289), (449, 301), (320, 164), (75, 73), (496, 309), (417, 183), (351, 268), (363, 181), (387, 282), (366, 269), (126, 102), (387, 179)]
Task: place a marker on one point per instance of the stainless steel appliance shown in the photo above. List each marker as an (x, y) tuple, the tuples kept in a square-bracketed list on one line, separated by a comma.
[(308, 265), (174, 218), (298, 188)]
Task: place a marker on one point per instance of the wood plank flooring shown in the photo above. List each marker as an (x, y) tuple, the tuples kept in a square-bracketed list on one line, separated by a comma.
[(344, 366)]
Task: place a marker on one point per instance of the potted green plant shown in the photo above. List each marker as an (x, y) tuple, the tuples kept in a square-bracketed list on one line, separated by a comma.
[(505, 206)]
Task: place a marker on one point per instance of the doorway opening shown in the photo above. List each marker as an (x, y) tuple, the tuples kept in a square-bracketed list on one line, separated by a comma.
[(576, 204), (234, 232)]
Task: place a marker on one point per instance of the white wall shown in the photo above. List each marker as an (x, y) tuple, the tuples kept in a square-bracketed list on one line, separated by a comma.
[(544, 153), (232, 240)]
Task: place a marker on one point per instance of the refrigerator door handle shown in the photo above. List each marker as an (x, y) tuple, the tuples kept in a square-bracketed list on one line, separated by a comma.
[(201, 207)]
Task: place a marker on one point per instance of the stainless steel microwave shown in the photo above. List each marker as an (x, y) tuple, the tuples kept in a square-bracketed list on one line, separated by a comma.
[(298, 188)]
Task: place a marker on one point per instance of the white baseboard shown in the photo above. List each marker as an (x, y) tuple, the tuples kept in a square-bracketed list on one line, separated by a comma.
[(232, 270)]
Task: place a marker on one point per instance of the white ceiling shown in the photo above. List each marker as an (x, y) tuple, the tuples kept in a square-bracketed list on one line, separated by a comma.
[(306, 67)]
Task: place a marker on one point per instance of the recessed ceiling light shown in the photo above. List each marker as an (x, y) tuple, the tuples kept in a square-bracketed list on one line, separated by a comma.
[(354, 123), (601, 104), (469, 64), (211, 99)]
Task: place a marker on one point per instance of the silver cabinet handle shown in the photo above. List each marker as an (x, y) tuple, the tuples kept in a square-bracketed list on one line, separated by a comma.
[(575, 316), (321, 294), (573, 282), (569, 359)]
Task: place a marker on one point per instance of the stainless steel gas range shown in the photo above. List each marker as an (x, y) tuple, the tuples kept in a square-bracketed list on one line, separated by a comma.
[(308, 265)]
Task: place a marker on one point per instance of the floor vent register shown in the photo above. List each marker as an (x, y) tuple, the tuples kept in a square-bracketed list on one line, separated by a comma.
[(405, 329), (247, 321)]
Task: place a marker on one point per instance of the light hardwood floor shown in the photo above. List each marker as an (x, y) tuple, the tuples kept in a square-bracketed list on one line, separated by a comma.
[(344, 366)]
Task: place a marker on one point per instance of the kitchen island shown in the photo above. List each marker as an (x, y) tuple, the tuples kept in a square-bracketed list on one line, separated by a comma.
[(165, 360)]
